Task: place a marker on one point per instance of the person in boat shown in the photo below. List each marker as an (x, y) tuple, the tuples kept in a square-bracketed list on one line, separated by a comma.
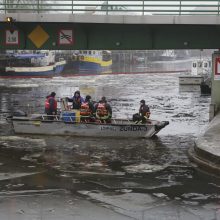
[(144, 113), (77, 100), (51, 106), (103, 111), (87, 110)]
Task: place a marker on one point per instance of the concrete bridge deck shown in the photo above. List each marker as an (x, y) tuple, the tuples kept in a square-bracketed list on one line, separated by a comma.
[(114, 19)]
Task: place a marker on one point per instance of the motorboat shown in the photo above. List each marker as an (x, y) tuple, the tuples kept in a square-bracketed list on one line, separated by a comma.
[(73, 126), (200, 70), (41, 64), (89, 61)]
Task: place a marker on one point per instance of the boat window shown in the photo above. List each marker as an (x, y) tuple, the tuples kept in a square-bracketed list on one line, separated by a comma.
[(106, 55), (85, 52), (200, 64), (90, 52), (194, 65), (205, 64), (93, 52), (80, 51)]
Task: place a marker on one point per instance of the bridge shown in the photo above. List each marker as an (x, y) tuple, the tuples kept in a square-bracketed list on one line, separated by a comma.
[(121, 25)]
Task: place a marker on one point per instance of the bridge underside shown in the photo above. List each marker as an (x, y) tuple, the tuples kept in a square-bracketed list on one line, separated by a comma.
[(112, 36)]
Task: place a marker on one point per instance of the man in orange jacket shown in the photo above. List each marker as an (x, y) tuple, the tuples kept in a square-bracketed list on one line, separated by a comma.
[(51, 105)]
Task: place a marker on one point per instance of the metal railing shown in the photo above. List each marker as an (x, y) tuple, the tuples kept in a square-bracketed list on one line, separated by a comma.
[(113, 7)]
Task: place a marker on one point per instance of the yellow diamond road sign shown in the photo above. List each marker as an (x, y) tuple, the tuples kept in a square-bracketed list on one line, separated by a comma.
[(38, 36)]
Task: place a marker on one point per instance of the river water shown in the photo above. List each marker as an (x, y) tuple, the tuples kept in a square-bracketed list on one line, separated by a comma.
[(135, 178)]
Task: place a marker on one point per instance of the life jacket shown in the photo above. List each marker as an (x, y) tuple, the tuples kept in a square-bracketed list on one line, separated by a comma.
[(147, 115), (101, 111), (47, 103), (85, 110)]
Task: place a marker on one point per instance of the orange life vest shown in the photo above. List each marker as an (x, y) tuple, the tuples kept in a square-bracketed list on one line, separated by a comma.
[(47, 103), (85, 110), (147, 114), (101, 110)]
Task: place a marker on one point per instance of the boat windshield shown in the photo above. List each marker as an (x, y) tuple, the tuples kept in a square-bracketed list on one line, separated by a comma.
[(106, 55)]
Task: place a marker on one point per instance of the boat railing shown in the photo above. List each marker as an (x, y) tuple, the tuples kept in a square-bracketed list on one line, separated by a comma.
[(136, 7), (59, 117), (50, 117), (121, 121), (77, 119)]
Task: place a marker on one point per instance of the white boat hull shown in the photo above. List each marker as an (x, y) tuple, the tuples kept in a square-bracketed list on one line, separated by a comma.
[(190, 80), (24, 125)]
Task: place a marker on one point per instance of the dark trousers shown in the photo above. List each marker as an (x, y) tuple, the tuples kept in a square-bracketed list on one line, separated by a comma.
[(50, 116), (137, 118)]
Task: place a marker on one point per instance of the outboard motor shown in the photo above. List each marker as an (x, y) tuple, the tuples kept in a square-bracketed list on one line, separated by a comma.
[(19, 113)]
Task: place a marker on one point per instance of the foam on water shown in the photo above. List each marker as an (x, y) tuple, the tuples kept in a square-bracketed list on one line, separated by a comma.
[(23, 86), (6, 176), (21, 142), (144, 168)]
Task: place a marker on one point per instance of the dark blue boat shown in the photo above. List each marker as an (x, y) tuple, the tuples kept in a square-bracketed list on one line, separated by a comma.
[(31, 65)]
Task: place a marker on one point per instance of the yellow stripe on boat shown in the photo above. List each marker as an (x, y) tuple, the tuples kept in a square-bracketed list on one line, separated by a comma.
[(106, 63)]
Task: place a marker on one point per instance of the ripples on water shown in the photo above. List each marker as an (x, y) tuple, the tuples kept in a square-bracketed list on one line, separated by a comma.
[(158, 165)]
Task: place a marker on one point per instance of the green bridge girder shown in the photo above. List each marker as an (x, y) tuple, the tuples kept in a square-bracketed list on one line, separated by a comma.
[(94, 36)]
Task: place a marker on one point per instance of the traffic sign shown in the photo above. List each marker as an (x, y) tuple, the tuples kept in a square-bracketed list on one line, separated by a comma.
[(12, 37), (65, 37), (38, 36)]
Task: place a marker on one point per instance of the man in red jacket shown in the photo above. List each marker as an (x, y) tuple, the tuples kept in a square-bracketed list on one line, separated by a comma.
[(51, 105)]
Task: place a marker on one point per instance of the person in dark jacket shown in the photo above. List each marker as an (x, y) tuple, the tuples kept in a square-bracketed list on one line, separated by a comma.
[(103, 111), (77, 100), (51, 105), (144, 111)]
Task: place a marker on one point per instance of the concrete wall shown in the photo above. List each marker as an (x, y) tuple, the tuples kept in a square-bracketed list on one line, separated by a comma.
[(215, 98)]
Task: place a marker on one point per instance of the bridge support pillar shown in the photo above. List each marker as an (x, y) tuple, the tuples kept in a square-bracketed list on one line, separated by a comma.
[(215, 97)]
